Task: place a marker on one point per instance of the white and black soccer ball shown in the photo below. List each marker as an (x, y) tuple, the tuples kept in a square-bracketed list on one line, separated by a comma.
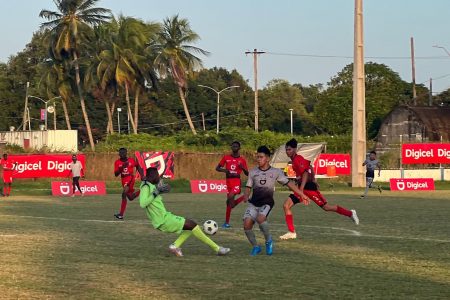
[(210, 227)]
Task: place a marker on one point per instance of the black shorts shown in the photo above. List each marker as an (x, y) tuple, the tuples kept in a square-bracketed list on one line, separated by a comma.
[(370, 174), (309, 186), (75, 179)]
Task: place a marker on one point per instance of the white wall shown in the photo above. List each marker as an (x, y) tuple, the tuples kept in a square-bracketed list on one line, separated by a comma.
[(56, 140), (436, 174)]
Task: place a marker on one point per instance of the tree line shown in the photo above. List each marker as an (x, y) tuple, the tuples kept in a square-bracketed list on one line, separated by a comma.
[(95, 63)]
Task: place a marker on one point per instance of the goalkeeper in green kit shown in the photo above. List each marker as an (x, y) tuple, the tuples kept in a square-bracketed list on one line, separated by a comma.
[(151, 201)]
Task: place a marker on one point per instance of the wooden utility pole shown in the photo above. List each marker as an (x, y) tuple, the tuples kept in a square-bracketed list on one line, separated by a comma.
[(359, 101), (203, 121), (413, 69), (430, 96), (25, 112), (255, 53)]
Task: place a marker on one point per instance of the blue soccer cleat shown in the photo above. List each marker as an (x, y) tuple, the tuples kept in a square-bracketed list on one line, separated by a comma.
[(269, 247), (256, 250), (226, 226)]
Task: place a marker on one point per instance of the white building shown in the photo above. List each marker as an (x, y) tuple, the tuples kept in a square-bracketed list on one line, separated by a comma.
[(54, 140)]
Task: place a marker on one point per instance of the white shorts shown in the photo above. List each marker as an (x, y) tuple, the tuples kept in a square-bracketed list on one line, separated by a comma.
[(253, 211)]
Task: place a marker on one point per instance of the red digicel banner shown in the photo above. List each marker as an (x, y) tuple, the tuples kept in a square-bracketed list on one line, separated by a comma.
[(64, 188), (163, 161), (342, 162), (426, 153), (412, 184), (43, 165), (208, 186)]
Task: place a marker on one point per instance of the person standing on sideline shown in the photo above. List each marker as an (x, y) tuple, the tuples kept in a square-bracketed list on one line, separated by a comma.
[(76, 171), (307, 183), (232, 165), (9, 166), (261, 180), (371, 164), (124, 167)]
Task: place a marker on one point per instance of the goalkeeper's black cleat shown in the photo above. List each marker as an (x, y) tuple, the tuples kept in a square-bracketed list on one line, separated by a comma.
[(118, 216)]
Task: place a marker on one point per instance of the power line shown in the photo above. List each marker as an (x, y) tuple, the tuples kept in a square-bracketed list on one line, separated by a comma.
[(351, 57)]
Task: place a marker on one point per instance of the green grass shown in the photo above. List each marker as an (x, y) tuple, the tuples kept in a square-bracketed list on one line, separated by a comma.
[(70, 248)]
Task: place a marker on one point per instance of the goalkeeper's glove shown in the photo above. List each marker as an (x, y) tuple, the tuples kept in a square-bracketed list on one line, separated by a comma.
[(161, 188)]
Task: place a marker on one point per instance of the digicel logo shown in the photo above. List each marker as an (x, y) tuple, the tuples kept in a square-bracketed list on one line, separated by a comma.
[(417, 154), (51, 165), (339, 164), (89, 189), (444, 153)]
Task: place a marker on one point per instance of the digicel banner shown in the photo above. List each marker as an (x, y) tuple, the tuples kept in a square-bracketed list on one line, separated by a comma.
[(208, 186), (412, 184), (43, 165), (64, 188), (426, 153), (340, 161)]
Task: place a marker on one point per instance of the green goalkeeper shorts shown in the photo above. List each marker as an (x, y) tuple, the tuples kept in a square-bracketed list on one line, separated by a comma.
[(172, 224)]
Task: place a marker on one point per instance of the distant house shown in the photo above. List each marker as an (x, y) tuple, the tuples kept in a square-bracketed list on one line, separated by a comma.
[(414, 125)]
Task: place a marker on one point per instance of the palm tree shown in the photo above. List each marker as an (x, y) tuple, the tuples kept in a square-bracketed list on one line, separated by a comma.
[(174, 56), (69, 26), (124, 62)]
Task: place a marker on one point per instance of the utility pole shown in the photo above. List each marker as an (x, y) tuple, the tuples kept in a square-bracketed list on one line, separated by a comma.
[(255, 53), (413, 67), (359, 101), (25, 113), (203, 121), (430, 96)]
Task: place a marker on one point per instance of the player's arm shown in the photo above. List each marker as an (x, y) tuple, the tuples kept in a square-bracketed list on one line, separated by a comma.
[(247, 192), (364, 163), (117, 169), (243, 166), (313, 176), (147, 196)]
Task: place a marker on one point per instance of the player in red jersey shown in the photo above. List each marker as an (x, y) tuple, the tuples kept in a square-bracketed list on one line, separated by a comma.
[(232, 165), (124, 167), (308, 184), (8, 168)]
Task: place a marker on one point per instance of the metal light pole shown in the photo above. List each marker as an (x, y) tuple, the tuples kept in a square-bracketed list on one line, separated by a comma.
[(218, 101), (118, 117), (46, 106), (443, 48), (292, 121)]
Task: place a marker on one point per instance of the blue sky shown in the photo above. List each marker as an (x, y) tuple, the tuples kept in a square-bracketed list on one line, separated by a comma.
[(318, 27)]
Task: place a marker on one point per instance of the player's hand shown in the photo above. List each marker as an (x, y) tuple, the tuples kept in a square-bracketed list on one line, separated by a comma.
[(228, 172), (245, 199), (163, 188), (305, 200)]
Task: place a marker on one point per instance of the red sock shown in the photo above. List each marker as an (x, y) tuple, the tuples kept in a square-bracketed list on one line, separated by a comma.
[(228, 214), (123, 206), (343, 211), (290, 222), (8, 190), (239, 200)]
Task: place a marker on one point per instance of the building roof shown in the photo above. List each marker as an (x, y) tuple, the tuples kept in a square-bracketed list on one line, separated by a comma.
[(435, 118)]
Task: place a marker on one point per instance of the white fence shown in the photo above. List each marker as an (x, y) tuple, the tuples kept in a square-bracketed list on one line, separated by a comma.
[(56, 140), (437, 174)]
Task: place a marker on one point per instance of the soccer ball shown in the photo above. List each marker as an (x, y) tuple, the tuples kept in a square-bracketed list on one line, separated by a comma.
[(210, 227)]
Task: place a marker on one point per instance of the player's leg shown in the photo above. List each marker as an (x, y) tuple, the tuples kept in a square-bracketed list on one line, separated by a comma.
[(132, 194), (369, 181), (249, 218), (76, 183), (289, 218), (320, 200), (263, 213), (9, 188), (123, 204)]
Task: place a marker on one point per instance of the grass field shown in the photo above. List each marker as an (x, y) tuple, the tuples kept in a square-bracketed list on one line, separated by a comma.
[(62, 248)]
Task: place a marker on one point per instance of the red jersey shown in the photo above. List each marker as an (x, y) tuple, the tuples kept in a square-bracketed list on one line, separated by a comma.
[(234, 165), (300, 165), (7, 165), (128, 170)]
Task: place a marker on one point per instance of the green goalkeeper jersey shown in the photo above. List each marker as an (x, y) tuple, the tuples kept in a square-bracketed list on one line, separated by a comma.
[(153, 206)]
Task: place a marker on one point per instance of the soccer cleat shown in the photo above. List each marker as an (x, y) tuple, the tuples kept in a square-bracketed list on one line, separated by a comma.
[(379, 189), (226, 226), (256, 250), (362, 196), (176, 251), (289, 236), (223, 251), (73, 195), (355, 217), (118, 216), (269, 247)]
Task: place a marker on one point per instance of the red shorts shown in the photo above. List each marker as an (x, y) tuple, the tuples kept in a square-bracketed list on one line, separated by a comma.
[(315, 196), (128, 181), (7, 177), (234, 186)]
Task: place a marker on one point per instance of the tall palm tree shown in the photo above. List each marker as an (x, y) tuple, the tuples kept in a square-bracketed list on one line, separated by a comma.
[(69, 25), (175, 57), (124, 61)]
